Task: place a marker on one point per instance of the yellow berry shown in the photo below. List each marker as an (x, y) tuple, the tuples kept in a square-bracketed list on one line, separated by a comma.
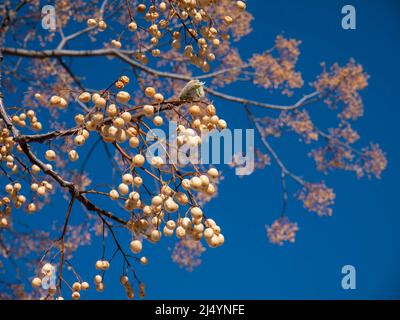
[(138, 160), (98, 279), (158, 97), (124, 80), (73, 155), (100, 102), (85, 286), (116, 44), (135, 246), (79, 140), (102, 25), (150, 92), (132, 26), (155, 235), (137, 181), (76, 286), (50, 155), (212, 173), (123, 97), (134, 142), (180, 232), (36, 282), (196, 213), (76, 295), (158, 121), (91, 23), (241, 5), (148, 110), (84, 97), (123, 189)]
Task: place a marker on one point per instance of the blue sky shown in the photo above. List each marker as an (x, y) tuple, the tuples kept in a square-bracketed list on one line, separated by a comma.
[(363, 230)]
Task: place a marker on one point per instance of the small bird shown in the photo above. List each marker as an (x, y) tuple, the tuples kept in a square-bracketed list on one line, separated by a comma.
[(193, 90)]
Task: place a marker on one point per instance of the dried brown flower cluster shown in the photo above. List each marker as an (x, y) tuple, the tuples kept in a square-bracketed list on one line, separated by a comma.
[(317, 197), (187, 253), (271, 72), (282, 230), (343, 85)]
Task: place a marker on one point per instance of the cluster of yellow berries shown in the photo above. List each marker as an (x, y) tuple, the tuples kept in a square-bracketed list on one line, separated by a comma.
[(14, 191), (20, 120), (6, 150), (41, 188), (124, 280), (206, 118), (5, 213), (110, 116), (15, 194), (151, 93), (113, 124), (44, 275), (98, 281), (17, 199), (47, 272), (92, 23), (202, 183), (58, 102), (133, 200), (169, 201), (142, 288), (193, 15), (77, 287), (121, 82), (102, 265)]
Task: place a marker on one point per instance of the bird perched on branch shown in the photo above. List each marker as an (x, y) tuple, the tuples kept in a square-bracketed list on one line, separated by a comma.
[(193, 90)]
